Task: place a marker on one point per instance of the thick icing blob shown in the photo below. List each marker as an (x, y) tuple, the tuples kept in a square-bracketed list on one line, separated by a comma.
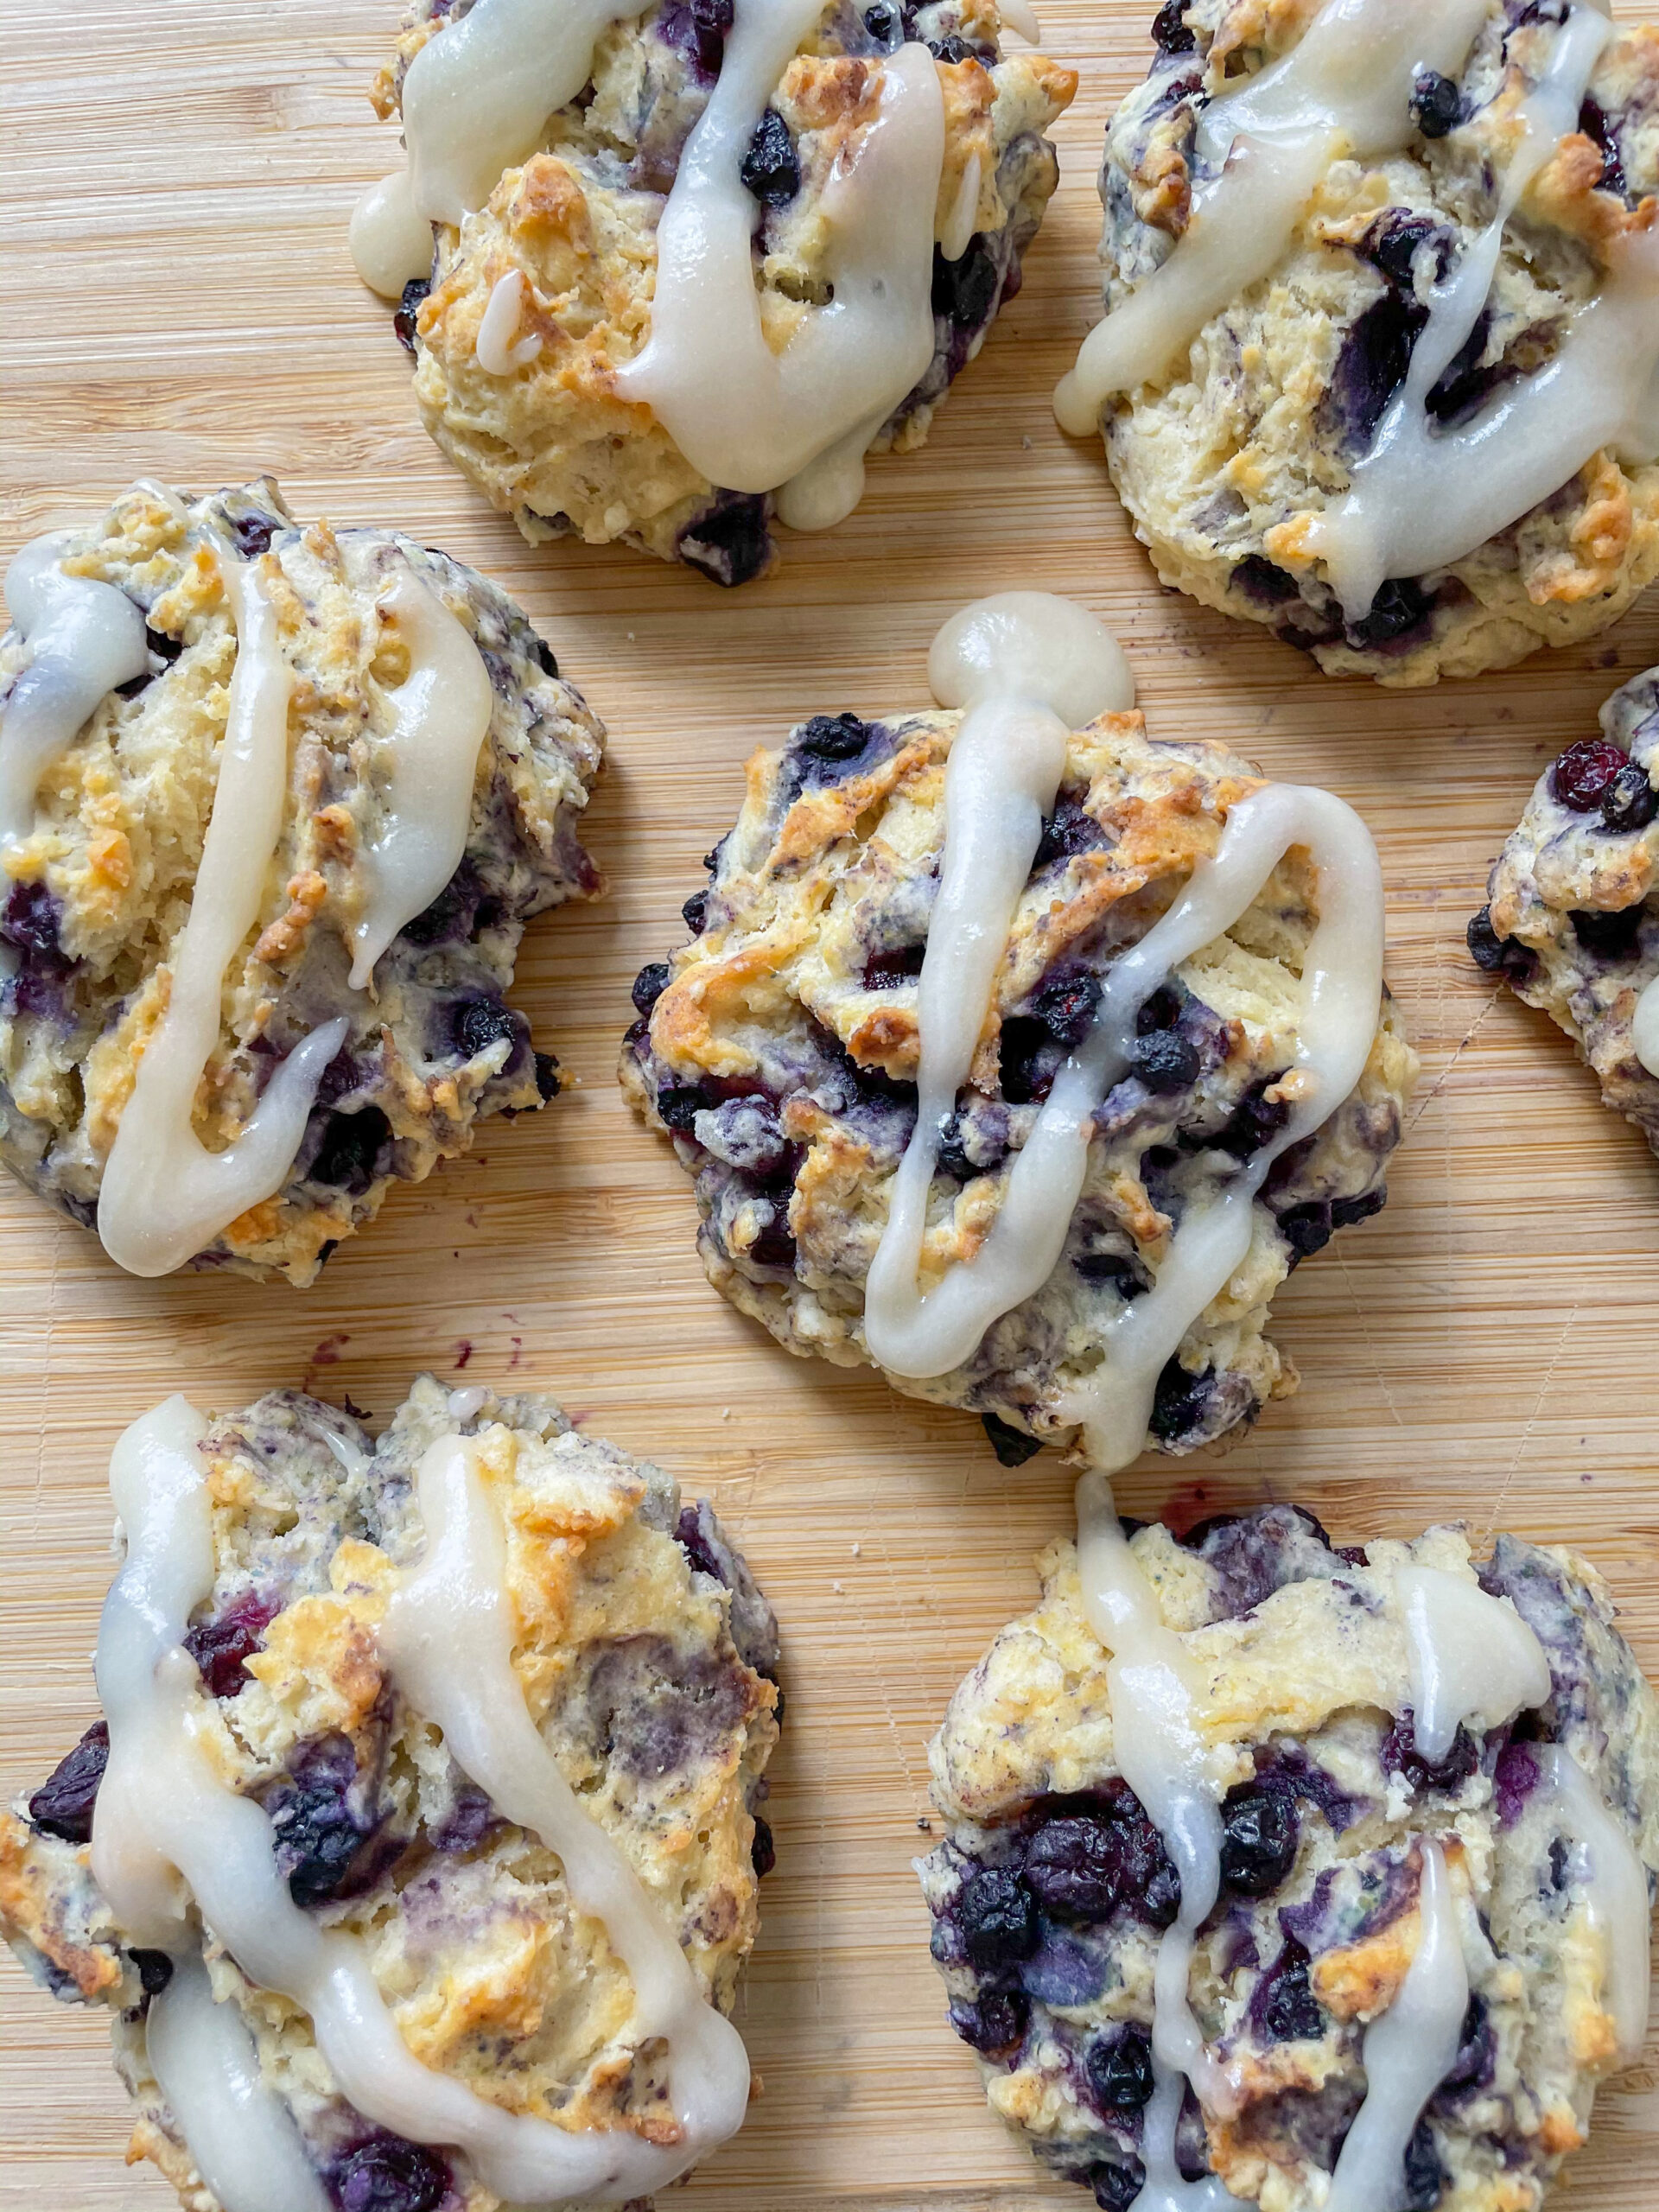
[(1618, 1893), (1645, 1028), (164, 1195), (1474, 1661), (85, 638)]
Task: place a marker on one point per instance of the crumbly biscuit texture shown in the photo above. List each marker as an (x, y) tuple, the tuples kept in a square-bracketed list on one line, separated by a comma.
[(779, 1050), (102, 888), (1052, 1889), (553, 445), (1572, 923), (648, 1658), (1259, 423)]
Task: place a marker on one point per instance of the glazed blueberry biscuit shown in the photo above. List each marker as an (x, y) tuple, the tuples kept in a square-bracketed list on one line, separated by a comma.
[(1572, 924), (1529, 1847), (1382, 318), (278, 802), (782, 1049), (539, 2003), (874, 175)]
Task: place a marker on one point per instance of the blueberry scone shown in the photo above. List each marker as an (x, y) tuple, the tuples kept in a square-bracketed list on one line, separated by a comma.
[(1035, 1111), (275, 804), (1380, 365), (1428, 1943), (1573, 919), (416, 1855), (668, 271)]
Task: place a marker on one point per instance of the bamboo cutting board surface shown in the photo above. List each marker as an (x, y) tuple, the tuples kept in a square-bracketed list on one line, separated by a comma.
[(179, 302)]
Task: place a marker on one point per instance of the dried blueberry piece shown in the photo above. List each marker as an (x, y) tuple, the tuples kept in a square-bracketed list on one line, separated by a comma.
[(1253, 1122), (1426, 2177), (546, 1070), (1180, 1401), (1629, 802), (964, 290), (1169, 31), (952, 1158), (772, 170), (994, 2022), (1401, 607), (1372, 363), (1284, 2003), (1165, 1061), (317, 1833), (62, 1806), (1392, 244), (1116, 2187), (1119, 2068), (1499, 955), (1115, 1267), (831, 738), (1263, 581), (678, 1105), (30, 922), (997, 1916), (1608, 936), (1065, 1006), (688, 1531), (885, 971), (253, 534), (155, 1970), (1069, 830), (763, 1852), (774, 1245), (695, 913), (951, 49), (649, 984), (1594, 122), (883, 23), (1400, 1755), (1012, 1446), (388, 2174), (164, 647), (1584, 771), (221, 1647), (1436, 104), (408, 308), (1473, 2066), (349, 1156), (730, 542), (477, 1025), (1161, 1011), (1025, 1046), (710, 21), (1075, 1866), (1258, 1834)]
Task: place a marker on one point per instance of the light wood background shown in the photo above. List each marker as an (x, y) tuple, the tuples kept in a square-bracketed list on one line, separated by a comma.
[(178, 302)]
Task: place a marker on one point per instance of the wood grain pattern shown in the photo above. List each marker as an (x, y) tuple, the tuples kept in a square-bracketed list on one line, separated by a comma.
[(179, 302)]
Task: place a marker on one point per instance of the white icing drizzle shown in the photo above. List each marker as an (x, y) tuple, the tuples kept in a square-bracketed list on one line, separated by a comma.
[(85, 638), (751, 420), (964, 211), (1159, 1751), (1407, 2052), (1489, 474), (997, 787), (1344, 89), (163, 1814), (1474, 1661), (499, 349), (443, 709), (448, 1634), (1020, 16), (1027, 667), (241, 2136), (474, 104), (1645, 1028), (164, 1195), (1616, 1893)]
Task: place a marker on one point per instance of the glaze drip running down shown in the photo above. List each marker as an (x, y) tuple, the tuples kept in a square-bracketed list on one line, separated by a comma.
[(1345, 92), (169, 1837), (1015, 669)]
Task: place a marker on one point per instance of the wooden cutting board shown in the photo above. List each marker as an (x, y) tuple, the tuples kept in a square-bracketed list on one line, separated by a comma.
[(179, 302)]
